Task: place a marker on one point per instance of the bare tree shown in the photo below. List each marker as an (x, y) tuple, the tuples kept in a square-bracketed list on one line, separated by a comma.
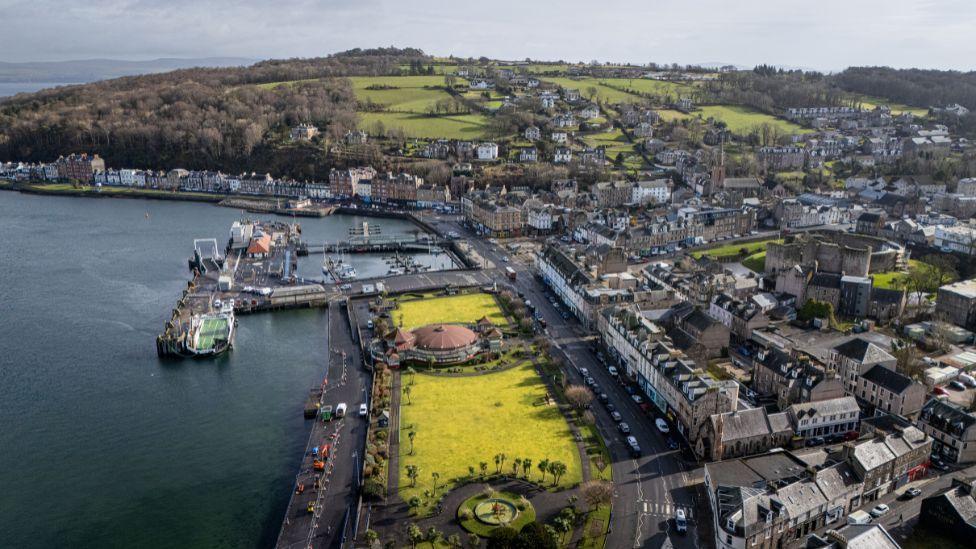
[(596, 493), (579, 396)]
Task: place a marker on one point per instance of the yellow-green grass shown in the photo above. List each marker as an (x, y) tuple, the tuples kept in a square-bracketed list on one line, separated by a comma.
[(411, 93), (742, 120), (891, 279), (67, 188), (649, 86), (868, 102), (756, 262), (595, 528), (670, 114), (457, 309), (730, 250), (461, 126), (614, 140), (273, 85), (462, 421), (784, 177), (603, 93)]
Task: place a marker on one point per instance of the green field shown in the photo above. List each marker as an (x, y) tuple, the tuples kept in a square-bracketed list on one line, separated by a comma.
[(603, 93), (460, 422), (891, 279), (867, 102), (458, 309), (614, 140), (669, 114), (648, 86), (461, 126), (731, 250), (412, 93), (742, 120)]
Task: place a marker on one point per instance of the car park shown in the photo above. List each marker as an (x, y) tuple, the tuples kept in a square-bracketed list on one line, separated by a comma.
[(624, 428), (879, 510), (662, 425), (616, 416)]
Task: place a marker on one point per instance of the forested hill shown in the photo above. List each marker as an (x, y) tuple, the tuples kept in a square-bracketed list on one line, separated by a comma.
[(912, 86), (214, 118)]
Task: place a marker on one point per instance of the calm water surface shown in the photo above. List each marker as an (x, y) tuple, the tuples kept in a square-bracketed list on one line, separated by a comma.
[(101, 443)]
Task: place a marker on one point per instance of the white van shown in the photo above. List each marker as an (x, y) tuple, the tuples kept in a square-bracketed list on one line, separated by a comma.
[(858, 517), (340, 410)]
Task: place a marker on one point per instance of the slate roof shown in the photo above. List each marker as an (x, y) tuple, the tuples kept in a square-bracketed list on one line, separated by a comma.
[(826, 280), (863, 351), (888, 378)]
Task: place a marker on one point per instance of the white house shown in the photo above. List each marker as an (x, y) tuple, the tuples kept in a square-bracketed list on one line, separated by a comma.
[(563, 154), (487, 151), (589, 112), (364, 188), (960, 238), (539, 218), (657, 191), (532, 133), (528, 154), (559, 137)]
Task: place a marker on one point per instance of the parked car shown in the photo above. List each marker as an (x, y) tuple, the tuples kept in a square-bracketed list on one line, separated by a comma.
[(672, 444), (611, 408), (624, 428), (635, 450), (616, 416), (603, 397), (340, 410), (363, 410), (940, 391), (858, 517), (590, 381), (662, 425), (637, 398), (968, 379), (680, 521), (630, 389), (612, 370), (584, 372), (879, 510), (911, 493), (814, 441), (957, 385)]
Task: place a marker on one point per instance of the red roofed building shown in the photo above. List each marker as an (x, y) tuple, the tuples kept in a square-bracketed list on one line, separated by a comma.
[(260, 246)]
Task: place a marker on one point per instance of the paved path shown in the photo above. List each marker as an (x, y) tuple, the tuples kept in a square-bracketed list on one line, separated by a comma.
[(393, 464)]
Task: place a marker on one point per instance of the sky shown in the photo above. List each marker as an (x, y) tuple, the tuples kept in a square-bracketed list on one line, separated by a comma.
[(812, 34)]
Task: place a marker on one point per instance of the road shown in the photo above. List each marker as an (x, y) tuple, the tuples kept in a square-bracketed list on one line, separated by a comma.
[(648, 489)]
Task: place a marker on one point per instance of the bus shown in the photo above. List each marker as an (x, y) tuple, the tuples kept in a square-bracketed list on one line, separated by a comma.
[(511, 273)]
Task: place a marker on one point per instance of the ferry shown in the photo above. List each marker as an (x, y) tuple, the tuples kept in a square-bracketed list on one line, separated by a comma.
[(211, 334)]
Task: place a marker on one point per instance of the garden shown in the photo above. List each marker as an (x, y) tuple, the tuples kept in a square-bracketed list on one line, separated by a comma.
[(467, 429), (416, 311)]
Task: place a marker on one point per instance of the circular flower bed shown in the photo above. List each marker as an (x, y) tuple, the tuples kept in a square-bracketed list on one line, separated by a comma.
[(482, 513), (495, 511)]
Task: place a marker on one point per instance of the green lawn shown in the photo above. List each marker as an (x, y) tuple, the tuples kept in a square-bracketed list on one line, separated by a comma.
[(614, 140), (867, 102), (742, 120), (889, 280), (603, 93), (670, 114), (648, 86), (475, 526), (733, 249), (412, 93), (756, 262), (462, 421), (463, 126), (457, 309)]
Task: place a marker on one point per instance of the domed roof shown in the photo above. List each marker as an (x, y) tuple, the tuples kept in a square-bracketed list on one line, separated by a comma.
[(443, 337)]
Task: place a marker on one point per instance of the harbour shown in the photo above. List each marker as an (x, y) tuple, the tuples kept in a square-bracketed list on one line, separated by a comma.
[(169, 475)]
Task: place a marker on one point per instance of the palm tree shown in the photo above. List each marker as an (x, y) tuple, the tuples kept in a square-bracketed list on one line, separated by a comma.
[(474, 542), (371, 537), (412, 473), (415, 535), (433, 536), (436, 476), (470, 471), (516, 464), (543, 467), (411, 436), (557, 469), (454, 541), (498, 462), (526, 467), (406, 393), (410, 369), (484, 467), (502, 463)]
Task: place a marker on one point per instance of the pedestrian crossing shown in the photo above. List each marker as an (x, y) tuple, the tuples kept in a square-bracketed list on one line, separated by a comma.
[(665, 509)]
